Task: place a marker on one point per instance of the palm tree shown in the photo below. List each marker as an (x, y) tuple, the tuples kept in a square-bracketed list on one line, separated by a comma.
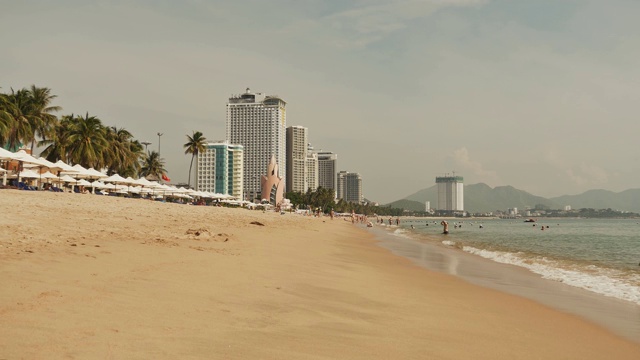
[(40, 118), (17, 129), (152, 166), (87, 141), (58, 142), (6, 120), (194, 146), (123, 153)]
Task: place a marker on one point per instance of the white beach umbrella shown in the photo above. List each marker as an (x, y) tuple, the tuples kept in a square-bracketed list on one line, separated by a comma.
[(48, 175), (67, 179), (26, 158), (146, 183), (49, 165), (29, 174), (65, 167), (93, 173), (98, 185), (79, 172), (115, 178), (6, 154), (83, 182)]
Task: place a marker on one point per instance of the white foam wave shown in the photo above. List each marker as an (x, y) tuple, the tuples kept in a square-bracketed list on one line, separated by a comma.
[(602, 281), (401, 233), (448, 242)]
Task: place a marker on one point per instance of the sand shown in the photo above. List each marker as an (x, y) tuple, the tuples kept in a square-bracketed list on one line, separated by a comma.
[(91, 277)]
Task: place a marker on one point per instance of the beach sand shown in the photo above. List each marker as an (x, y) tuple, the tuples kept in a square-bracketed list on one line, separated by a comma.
[(91, 277)]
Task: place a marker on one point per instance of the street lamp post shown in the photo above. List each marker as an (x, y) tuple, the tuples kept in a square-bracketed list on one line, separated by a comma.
[(159, 135), (145, 143)]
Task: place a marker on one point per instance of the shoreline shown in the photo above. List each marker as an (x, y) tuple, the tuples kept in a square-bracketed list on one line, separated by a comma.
[(614, 314), (101, 277)]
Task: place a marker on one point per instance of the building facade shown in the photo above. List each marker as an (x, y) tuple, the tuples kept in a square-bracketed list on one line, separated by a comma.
[(450, 193), (349, 187), (327, 170), (220, 169), (297, 141), (258, 123), (312, 169)]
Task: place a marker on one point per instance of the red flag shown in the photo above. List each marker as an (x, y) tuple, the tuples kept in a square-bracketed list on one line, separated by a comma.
[(165, 177)]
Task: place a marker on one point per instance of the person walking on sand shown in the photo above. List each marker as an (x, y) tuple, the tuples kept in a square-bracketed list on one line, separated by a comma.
[(445, 227)]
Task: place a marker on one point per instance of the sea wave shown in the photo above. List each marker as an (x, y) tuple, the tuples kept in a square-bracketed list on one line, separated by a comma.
[(608, 282)]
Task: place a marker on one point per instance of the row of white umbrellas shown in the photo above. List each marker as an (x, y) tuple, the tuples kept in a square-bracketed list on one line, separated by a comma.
[(79, 176)]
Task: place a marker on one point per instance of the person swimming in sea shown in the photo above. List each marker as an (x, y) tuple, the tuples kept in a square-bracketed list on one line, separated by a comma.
[(445, 227)]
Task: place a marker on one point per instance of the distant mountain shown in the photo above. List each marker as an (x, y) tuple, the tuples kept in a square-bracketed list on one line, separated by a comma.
[(407, 205), (482, 198), (628, 200)]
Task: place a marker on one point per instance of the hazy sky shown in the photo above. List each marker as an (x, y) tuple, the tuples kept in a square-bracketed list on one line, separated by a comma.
[(542, 95)]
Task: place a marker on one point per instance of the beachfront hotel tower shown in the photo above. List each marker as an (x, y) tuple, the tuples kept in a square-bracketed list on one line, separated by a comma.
[(450, 193), (258, 123), (312, 169), (349, 187), (220, 169), (297, 143), (327, 170)]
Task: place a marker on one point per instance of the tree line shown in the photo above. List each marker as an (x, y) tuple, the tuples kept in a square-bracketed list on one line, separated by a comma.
[(324, 199), (28, 118)]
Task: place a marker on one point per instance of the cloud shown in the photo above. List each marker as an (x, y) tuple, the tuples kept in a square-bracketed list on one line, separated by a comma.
[(462, 161), (582, 175), (588, 175), (362, 26)]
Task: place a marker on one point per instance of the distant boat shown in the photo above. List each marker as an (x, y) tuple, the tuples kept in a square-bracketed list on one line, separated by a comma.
[(530, 220)]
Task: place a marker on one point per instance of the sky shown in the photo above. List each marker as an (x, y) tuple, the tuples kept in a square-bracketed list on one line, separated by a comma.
[(540, 95)]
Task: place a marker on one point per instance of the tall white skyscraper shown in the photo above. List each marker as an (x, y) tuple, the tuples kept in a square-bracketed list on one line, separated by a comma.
[(220, 169), (349, 187), (312, 169), (258, 123), (450, 193), (297, 140), (327, 169)]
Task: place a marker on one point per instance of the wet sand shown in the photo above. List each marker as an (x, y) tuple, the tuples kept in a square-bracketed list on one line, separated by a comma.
[(90, 277), (619, 316)]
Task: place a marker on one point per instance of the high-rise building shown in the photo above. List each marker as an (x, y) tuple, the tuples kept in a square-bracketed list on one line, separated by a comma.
[(450, 193), (220, 169), (297, 140), (327, 169), (312, 169), (258, 123), (349, 187)]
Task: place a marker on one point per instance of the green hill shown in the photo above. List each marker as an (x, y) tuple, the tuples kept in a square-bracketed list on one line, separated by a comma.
[(407, 205)]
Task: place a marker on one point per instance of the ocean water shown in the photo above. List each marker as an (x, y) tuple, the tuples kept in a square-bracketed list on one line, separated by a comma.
[(598, 255)]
